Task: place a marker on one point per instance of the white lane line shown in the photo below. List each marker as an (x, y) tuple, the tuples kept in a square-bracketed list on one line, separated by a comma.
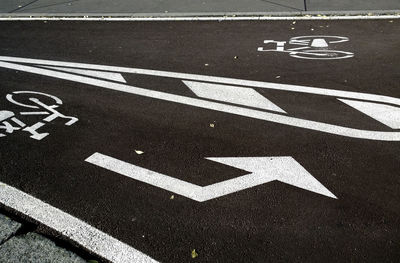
[(255, 114), (222, 80), (261, 170), (71, 227), (200, 18)]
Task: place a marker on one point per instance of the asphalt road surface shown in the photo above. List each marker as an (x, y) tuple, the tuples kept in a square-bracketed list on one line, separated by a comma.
[(295, 173)]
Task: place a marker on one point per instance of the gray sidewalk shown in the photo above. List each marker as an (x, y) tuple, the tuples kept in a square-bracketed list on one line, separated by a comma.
[(191, 6), (19, 244)]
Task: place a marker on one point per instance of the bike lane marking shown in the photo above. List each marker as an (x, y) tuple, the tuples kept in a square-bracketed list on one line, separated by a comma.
[(255, 114), (71, 227)]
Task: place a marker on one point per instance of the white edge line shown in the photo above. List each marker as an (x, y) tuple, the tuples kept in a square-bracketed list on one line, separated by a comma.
[(203, 18), (73, 228)]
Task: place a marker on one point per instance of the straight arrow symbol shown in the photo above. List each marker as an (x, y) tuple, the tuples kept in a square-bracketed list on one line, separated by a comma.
[(261, 170)]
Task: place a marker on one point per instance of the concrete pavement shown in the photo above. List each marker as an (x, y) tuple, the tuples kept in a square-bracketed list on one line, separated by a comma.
[(20, 243), (186, 6)]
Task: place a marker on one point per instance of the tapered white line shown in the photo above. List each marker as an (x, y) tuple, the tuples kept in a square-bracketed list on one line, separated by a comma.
[(222, 80), (92, 73), (71, 227), (255, 114)]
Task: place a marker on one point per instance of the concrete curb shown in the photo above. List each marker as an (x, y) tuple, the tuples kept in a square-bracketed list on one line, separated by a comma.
[(206, 14), (196, 18)]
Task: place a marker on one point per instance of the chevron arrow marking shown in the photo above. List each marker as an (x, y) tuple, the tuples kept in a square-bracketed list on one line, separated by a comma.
[(261, 170)]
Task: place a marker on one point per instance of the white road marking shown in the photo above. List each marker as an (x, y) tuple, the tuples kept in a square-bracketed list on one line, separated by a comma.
[(92, 73), (221, 80), (262, 170), (48, 111), (232, 94), (312, 47), (73, 228), (255, 114), (89, 17), (319, 43), (386, 114)]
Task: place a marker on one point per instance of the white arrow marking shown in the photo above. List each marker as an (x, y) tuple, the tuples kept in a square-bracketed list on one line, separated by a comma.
[(232, 94), (262, 170), (284, 169)]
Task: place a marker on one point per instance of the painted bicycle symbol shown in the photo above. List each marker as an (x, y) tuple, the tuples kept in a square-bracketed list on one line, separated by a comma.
[(310, 47), (9, 122)]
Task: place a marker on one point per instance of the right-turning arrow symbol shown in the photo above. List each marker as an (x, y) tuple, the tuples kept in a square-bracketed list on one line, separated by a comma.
[(261, 170)]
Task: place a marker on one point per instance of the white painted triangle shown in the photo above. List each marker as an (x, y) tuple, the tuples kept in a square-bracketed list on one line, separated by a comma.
[(385, 114), (232, 94), (92, 73), (262, 170), (283, 168)]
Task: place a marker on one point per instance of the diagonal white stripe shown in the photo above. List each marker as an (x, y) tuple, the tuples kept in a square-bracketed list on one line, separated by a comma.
[(232, 94), (385, 114)]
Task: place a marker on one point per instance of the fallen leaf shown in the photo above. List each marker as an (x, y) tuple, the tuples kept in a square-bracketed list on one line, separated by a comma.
[(212, 125), (139, 152), (172, 197), (194, 254)]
